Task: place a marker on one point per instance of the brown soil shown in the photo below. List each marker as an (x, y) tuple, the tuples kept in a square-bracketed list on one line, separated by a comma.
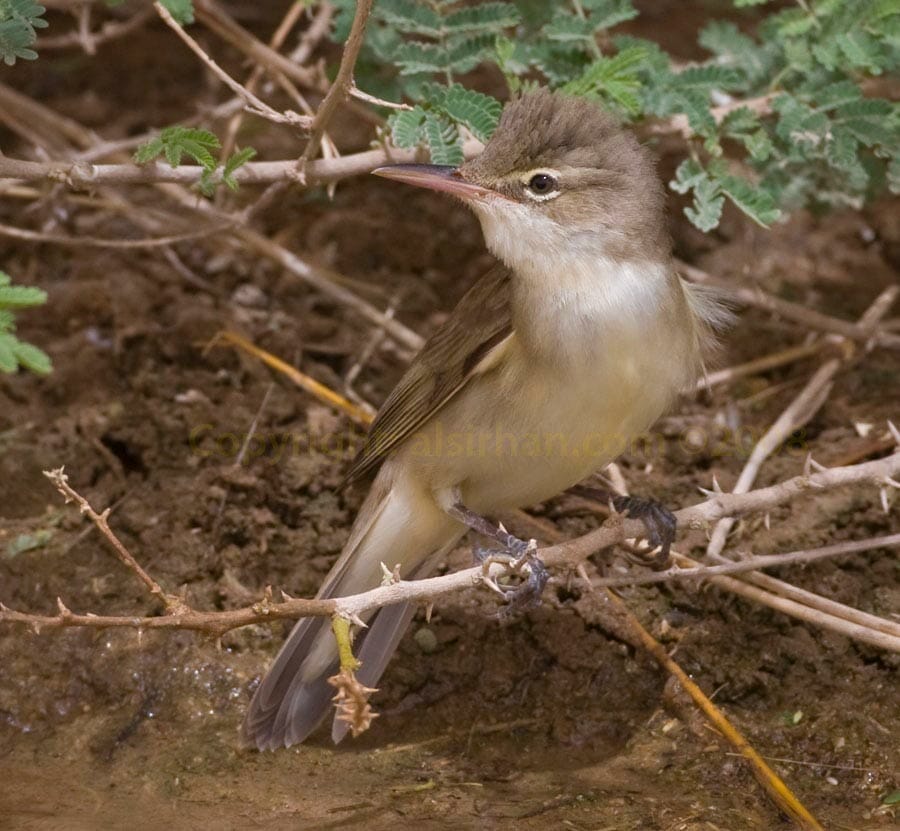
[(548, 720)]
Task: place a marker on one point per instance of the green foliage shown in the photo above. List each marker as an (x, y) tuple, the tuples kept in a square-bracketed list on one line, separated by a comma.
[(812, 137), (18, 20), (181, 10), (174, 143), (13, 352)]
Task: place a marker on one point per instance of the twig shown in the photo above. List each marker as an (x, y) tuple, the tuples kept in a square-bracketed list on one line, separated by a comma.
[(322, 280), (797, 413), (774, 786), (343, 81), (757, 365), (97, 242), (565, 554), (239, 459), (310, 39), (876, 636), (759, 299), (702, 572), (356, 92), (173, 604), (215, 17), (301, 379), (679, 123), (110, 30), (253, 104), (318, 171), (293, 14)]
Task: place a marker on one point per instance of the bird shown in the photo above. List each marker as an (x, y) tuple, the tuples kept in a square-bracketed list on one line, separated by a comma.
[(567, 349)]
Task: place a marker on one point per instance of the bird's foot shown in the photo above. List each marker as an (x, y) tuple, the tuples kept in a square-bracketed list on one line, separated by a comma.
[(660, 523), (519, 558)]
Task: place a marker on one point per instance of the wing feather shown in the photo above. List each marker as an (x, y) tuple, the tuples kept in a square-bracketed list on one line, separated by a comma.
[(449, 358)]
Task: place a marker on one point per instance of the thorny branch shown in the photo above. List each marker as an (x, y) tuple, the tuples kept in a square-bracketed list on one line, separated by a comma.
[(879, 473)]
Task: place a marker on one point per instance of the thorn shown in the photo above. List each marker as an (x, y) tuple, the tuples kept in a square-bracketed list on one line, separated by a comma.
[(387, 576), (807, 464), (894, 431), (893, 483), (356, 620), (767, 521), (429, 608), (285, 597), (63, 610), (716, 486), (885, 505), (706, 492), (502, 527)]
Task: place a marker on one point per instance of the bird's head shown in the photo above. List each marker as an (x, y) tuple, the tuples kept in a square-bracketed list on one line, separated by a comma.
[(558, 179)]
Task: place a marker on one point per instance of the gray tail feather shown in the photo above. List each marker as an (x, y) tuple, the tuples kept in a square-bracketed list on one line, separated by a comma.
[(286, 709)]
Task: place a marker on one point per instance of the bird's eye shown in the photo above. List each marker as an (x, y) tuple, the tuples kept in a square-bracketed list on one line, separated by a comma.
[(541, 184)]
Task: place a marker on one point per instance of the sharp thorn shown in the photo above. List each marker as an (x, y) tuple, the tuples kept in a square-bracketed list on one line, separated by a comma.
[(894, 431)]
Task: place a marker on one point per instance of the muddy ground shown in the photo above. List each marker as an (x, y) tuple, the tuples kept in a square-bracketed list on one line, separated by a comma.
[(548, 720)]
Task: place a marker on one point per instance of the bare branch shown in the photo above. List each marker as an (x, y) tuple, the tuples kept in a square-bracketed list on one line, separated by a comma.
[(110, 30), (564, 554), (96, 242), (61, 482), (752, 564), (253, 104), (343, 81), (796, 414), (759, 299), (81, 174)]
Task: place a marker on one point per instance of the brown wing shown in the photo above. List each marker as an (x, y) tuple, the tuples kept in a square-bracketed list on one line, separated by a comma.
[(480, 321)]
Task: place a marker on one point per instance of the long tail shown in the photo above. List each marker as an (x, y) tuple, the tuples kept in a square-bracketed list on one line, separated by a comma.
[(398, 523)]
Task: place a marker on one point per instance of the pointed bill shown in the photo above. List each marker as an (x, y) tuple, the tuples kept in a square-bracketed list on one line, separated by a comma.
[(443, 178)]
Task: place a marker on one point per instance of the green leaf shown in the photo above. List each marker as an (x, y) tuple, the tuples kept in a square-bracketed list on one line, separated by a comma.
[(408, 16), (177, 142), (443, 140), (481, 18), (480, 113), (614, 79), (8, 361), (32, 358), (568, 27), (707, 208), (687, 175), (608, 13), (21, 297), (18, 21), (862, 50), (407, 127), (465, 54), (236, 160), (740, 121), (757, 203), (181, 10), (835, 95)]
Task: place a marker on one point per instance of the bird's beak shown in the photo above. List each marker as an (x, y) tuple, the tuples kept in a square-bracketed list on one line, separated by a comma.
[(444, 178)]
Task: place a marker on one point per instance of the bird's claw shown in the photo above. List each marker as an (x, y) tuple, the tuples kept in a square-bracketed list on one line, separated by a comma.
[(660, 523), (519, 558)]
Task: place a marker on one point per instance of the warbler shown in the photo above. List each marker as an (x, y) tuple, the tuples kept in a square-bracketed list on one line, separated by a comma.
[(572, 345)]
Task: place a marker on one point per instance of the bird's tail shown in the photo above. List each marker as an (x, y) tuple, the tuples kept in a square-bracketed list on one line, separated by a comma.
[(398, 523)]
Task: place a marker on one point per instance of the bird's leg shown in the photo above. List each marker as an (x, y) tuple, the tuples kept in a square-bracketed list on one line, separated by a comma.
[(519, 556), (659, 521)]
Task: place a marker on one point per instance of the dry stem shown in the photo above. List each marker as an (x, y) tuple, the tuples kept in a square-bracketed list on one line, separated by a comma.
[(796, 414), (253, 104), (343, 82), (570, 553)]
